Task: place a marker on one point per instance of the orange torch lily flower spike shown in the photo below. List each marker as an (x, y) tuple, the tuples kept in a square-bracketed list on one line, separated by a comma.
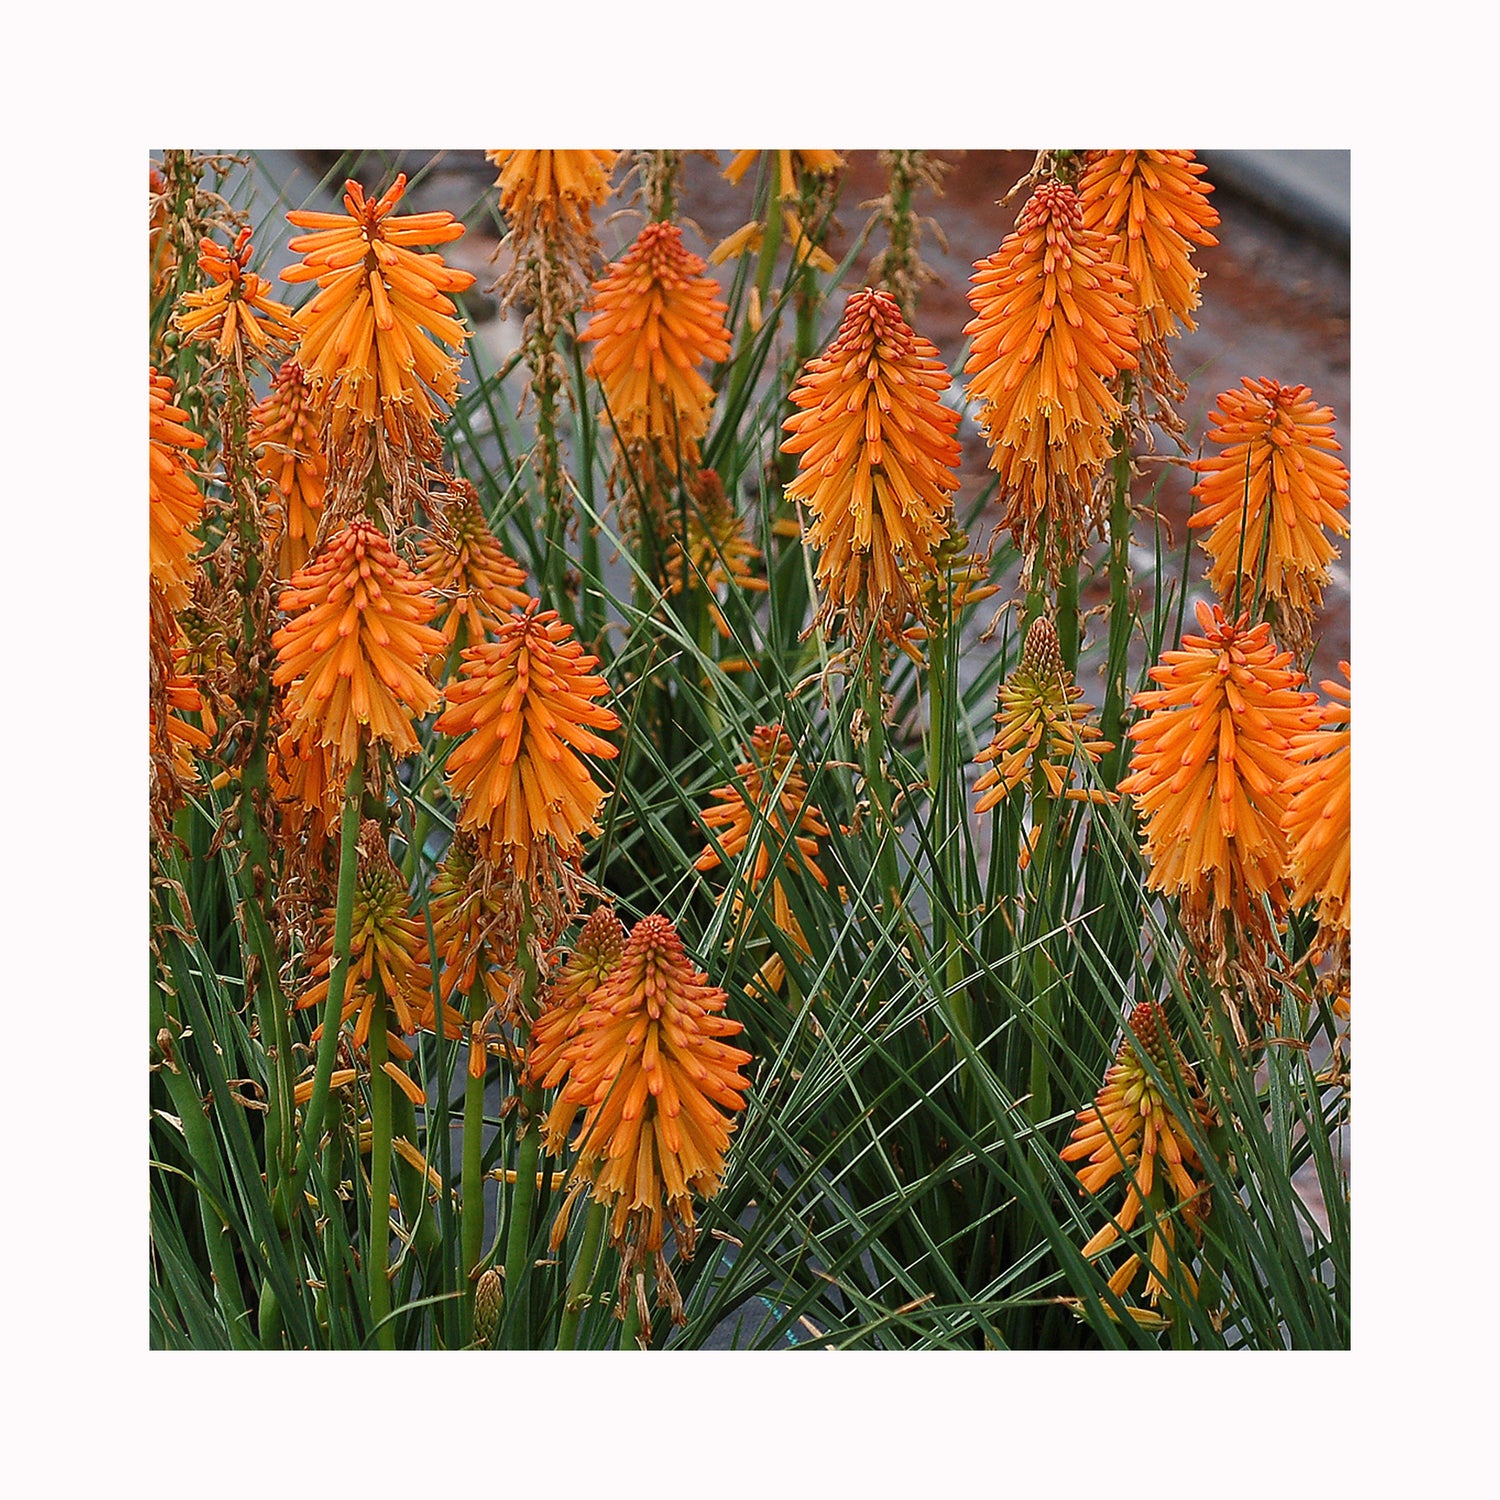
[(376, 326), (1133, 1127), (176, 504), (552, 191), (1154, 205), (286, 431), (656, 319), (476, 581), (355, 650), (1041, 726), (772, 792), (660, 1086), (1269, 499), (1317, 817), (523, 700), (234, 313), (1213, 760), (1054, 324), (876, 466)]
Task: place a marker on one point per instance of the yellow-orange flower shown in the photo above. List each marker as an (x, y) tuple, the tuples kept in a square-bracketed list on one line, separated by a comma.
[(176, 504), (772, 796), (656, 318), (387, 960), (477, 583), (367, 328), (1317, 812), (356, 647), (1133, 1127), (660, 1087), (718, 553), (877, 463), (234, 313), (1272, 494), (594, 957), (789, 164), (1054, 323), (523, 701), (546, 189), (1212, 763), (1156, 204), (286, 432), (1041, 726)]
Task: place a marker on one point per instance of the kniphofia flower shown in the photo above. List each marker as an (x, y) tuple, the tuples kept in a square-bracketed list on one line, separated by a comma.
[(656, 319), (795, 172), (354, 653), (376, 326), (387, 961), (1053, 325), (552, 190), (286, 432), (1268, 499), (1041, 728), (790, 166), (1213, 759), (771, 797), (235, 313), (524, 701), (1155, 205), (176, 504), (1317, 813), (876, 466), (476, 582), (1134, 1127), (660, 1086)]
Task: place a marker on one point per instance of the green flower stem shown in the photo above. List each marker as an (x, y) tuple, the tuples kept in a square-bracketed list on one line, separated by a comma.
[(333, 1010), (630, 1330), (1044, 890), (471, 1179), (378, 1256), (942, 715), (1282, 1058), (529, 1136), (1112, 716), (558, 508), (876, 785), (585, 1268), (1067, 615), (518, 1237)]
